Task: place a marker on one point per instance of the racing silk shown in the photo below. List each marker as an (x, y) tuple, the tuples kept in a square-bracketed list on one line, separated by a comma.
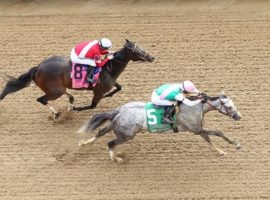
[(171, 92), (91, 50)]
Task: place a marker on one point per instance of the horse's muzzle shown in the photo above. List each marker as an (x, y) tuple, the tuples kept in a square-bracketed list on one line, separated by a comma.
[(151, 59), (237, 116)]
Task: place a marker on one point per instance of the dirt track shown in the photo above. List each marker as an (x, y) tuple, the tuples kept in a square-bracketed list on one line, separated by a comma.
[(219, 46)]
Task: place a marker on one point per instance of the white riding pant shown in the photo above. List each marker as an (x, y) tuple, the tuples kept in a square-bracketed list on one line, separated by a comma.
[(86, 61), (155, 98)]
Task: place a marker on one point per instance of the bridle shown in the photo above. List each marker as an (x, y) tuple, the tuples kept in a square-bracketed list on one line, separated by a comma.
[(222, 105), (109, 67), (143, 57), (134, 50)]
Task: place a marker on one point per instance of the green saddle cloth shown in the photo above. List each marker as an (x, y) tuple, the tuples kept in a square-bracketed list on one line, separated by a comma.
[(155, 122)]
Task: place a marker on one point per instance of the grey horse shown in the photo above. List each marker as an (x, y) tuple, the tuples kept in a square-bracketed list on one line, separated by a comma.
[(130, 118)]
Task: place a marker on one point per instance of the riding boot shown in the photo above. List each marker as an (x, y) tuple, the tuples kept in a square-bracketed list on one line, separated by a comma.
[(168, 114), (90, 72)]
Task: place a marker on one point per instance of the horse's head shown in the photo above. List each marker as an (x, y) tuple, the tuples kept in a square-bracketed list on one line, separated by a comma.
[(136, 53), (224, 105)]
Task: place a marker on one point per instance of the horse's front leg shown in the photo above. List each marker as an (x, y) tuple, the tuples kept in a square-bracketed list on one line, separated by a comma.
[(118, 88), (205, 136), (96, 99), (222, 135)]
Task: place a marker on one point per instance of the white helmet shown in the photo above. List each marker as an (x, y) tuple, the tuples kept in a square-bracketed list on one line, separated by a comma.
[(105, 43), (188, 86)]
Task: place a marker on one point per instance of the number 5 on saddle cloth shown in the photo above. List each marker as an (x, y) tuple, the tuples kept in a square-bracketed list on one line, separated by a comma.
[(155, 121)]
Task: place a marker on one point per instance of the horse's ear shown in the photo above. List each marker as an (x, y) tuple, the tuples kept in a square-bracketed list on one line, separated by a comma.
[(221, 93), (127, 41)]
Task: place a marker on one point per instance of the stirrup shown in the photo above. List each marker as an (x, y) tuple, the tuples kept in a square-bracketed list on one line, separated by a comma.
[(89, 78), (168, 120)]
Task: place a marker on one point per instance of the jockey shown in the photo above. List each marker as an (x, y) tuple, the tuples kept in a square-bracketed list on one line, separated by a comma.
[(91, 53), (167, 94)]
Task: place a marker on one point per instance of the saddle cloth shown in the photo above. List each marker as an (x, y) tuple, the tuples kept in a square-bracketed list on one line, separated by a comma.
[(79, 76), (154, 117)]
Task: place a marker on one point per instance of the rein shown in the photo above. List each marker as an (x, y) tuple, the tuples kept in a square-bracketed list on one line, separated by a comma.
[(109, 67), (124, 63)]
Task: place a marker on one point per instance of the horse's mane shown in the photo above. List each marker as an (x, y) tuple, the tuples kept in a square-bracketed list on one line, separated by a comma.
[(117, 53), (192, 98), (216, 97)]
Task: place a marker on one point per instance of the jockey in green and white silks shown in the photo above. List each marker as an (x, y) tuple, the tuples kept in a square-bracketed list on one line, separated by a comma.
[(167, 94)]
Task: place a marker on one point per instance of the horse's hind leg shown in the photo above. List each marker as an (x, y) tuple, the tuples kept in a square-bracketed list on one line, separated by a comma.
[(99, 134), (71, 101), (205, 136), (222, 135), (111, 146), (122, 137), (44, 100)]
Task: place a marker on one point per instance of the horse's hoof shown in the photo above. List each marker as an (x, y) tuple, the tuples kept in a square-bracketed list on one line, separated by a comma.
[(77, 109), (81, 143), (70, 107), (119, 160), (221, 153), (238, 145), (56, 115)]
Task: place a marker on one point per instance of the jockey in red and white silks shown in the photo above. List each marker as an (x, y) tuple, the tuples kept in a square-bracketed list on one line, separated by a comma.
[(91, 52)]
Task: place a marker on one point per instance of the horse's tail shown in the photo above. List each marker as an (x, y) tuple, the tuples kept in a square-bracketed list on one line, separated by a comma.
[(14, 85), (97, 120)]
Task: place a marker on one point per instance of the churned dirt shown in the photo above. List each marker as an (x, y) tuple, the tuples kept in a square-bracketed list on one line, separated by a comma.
[(220, 45)]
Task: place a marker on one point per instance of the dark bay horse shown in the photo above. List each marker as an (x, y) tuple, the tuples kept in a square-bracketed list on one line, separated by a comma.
[(53, 77), (129, 119)]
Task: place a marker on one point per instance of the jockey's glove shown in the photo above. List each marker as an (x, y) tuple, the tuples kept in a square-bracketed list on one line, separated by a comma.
[(110, 57), (204, 99)]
